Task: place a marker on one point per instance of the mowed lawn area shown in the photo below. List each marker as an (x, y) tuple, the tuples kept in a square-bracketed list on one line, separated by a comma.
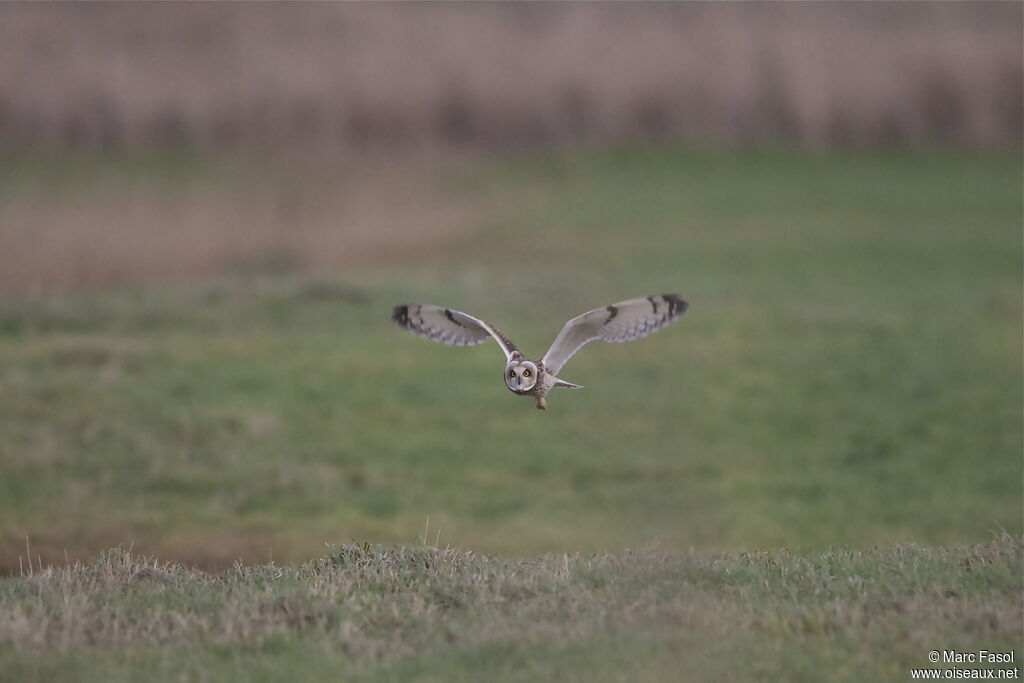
[(848, 380)]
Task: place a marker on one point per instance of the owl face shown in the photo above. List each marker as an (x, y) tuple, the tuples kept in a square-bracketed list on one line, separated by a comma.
[(521, 376)]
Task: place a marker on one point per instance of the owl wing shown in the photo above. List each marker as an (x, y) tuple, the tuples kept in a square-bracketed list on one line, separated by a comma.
[(450, 327), (621, 322)]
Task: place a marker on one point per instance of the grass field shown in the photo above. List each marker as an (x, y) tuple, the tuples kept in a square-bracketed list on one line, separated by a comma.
[(398, 613), (848, 375)]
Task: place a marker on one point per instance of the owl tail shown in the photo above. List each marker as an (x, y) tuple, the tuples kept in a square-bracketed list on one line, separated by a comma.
[(567, 385)]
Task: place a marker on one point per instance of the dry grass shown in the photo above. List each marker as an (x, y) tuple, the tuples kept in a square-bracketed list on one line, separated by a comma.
[(373, 603), (397, 75), (99, 224)]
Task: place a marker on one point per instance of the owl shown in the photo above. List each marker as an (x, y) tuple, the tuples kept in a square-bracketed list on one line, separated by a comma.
[(621, 322)]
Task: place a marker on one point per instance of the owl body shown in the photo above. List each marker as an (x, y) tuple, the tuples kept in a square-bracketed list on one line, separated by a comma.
[(624, 321), (530, 378)]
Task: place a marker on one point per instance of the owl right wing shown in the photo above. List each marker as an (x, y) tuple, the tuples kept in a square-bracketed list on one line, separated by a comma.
[(450, 327), (621, 322)]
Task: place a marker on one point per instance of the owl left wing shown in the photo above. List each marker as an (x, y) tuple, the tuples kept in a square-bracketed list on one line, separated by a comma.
[(621, 322), (450, 327)]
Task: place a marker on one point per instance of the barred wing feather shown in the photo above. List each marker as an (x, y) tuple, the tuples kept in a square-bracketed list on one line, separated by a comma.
[(621, 322), (449, 327)]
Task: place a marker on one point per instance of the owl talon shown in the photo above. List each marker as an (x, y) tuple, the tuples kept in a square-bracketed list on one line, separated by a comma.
[(542, 403)]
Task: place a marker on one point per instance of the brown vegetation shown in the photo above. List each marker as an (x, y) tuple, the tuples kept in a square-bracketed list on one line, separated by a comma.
[(122, 221), (400, 76)]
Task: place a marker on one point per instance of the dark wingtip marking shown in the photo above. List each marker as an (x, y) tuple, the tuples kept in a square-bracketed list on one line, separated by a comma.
[(401, 315), (654, 305), (676, 304), (612, 312), (448, 314)]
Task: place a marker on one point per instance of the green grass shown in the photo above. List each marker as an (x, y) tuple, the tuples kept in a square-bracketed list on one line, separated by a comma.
[(849, 374), (404, 613)]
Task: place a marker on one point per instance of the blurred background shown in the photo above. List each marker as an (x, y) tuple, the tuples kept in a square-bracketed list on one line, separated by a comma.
[(208, 210)]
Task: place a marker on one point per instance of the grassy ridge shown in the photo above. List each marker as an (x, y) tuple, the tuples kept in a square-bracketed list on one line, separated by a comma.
[(419, 612)]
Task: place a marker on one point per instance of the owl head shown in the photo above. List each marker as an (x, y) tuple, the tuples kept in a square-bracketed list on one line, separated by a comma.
[(521, 375)]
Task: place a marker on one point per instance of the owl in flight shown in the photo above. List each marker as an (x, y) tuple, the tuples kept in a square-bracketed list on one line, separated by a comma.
[(621, 322)]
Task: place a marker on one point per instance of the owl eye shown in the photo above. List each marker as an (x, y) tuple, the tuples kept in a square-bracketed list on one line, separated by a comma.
[(526, 373)]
